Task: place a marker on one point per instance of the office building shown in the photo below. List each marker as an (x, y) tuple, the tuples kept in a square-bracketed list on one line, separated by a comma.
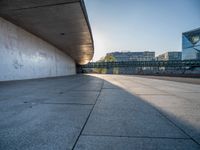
[(174, 55), (191, 45), (133, 56)]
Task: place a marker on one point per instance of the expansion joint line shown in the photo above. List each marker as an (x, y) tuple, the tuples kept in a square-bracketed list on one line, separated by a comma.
[(195, 141), (171, 121), (88, 115)]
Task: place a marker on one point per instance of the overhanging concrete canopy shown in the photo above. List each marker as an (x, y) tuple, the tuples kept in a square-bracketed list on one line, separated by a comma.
[(63, 23)]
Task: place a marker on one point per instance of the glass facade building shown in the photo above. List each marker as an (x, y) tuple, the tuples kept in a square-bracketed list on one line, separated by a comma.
[(170, 56), (191, 45), (133, 56)]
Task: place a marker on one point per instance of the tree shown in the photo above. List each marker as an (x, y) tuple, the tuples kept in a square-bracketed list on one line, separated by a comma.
[(107, 58)]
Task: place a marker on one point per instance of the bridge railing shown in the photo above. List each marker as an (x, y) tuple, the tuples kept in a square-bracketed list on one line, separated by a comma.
[(172, 63)]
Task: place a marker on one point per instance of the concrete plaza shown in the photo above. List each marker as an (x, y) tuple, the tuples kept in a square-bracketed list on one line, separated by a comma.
[(100, 112)]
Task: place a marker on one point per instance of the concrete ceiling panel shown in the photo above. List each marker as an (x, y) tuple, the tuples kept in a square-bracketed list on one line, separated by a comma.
[(62, 23), (25, 4)]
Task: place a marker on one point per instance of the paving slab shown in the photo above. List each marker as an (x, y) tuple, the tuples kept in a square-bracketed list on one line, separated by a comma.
[(40, 127), (127, 143), (89, 87), (167, 101), (187, 118), (70, 97), (99, 112), (179, 105), (183, 112), (121, 114), (108, 85), (192, 97), (43, 113)]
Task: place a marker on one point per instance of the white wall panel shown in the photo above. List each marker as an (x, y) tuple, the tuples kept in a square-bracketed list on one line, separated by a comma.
[(25, 56)]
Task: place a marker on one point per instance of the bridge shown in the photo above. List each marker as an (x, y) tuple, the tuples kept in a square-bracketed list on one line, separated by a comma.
[(174, 63)]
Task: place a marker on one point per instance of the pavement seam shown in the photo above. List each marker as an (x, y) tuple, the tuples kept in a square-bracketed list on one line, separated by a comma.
[(88, 116), (187, 134), (177, 126), (168, 79), (180, 97), (145, 137), (162, 114), (85, 90), (167, 93), (41, 79), (66, 104), (153, 94)]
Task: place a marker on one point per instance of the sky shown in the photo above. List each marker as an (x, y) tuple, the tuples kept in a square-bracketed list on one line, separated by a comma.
[(141, 25)]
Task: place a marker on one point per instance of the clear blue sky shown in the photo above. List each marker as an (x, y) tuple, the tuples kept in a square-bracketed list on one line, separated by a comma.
[(139, 25)]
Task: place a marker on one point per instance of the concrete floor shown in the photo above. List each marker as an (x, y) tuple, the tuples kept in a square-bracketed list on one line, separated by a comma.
[(99, 112)]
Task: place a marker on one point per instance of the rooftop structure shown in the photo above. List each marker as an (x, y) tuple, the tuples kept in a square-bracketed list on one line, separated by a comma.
[(133, 56), (174, 55)]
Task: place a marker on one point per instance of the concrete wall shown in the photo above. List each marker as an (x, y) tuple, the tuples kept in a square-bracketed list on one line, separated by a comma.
[(25, 56)]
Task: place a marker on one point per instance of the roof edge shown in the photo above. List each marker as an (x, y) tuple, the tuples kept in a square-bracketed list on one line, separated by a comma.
[(196, 29), (88, 22)]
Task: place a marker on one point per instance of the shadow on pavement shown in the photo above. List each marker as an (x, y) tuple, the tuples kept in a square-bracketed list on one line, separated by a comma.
[(93, 112)]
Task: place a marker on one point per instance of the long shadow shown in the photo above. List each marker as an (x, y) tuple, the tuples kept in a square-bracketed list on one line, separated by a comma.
[(120, 113), (88, 112)]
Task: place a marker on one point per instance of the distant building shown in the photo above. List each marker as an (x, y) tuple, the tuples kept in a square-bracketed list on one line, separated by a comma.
[(174, 55), (191, 45), (133, 56)]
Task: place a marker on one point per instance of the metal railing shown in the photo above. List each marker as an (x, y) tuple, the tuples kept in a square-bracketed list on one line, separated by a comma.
[(172, 63)]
